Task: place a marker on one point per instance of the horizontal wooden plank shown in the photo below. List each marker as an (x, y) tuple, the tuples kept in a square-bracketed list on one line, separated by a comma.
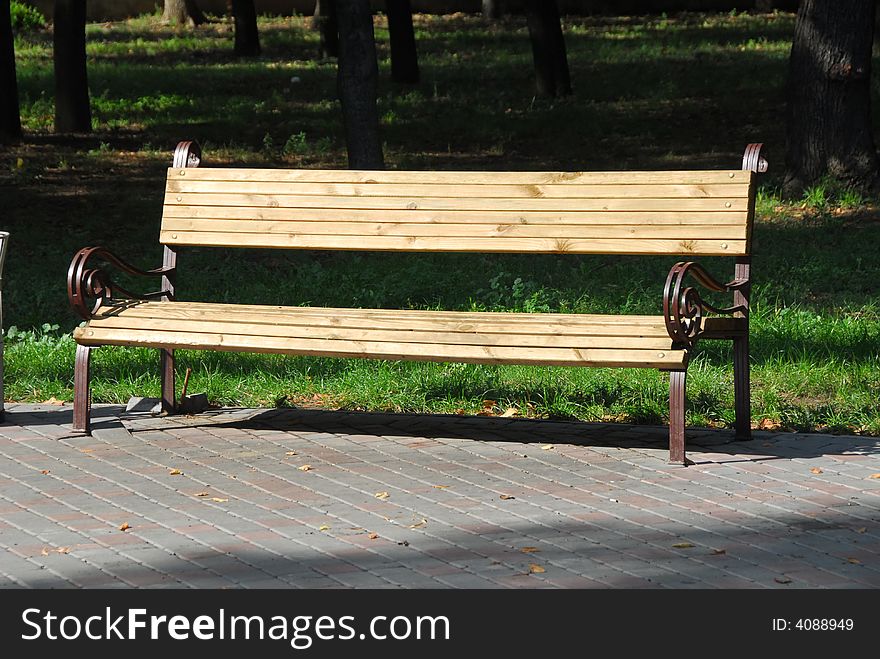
[(384, 350), (223, 324), (484, 245), (462, 189), (697, 177), (465, 231), (593, 218), (441, 321), (416, 202)]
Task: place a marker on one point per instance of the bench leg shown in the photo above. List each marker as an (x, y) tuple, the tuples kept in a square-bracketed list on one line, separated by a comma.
[(168, 401), (677, 380), (741, 387), (82, 390)]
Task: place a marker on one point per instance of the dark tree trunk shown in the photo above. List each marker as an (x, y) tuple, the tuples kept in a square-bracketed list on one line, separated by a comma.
[(492, 10), (358, 74), (327, 25), (404, 59), (829, 95), (548, 48), (182, 12), (72, 111), (247, 38), (10, 122)]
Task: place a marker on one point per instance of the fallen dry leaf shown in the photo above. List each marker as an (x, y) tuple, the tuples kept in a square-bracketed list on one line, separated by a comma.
[(44, 471), (440, 487), (53, 401), (290, 453), (782, 580), (547, 447), (419, 525), (683, 545), (506, 497), (854, 561), (488, 404), (534, 568), (768, 424), (305, 468), (324, 527), (510, 411), (719, 552), (381, 495), (124, 526), (373, 536), (815, 470), (529, 550), (201, 494), (44, 552), (62, 550), (874, 476), (862, 529), (219, 500)]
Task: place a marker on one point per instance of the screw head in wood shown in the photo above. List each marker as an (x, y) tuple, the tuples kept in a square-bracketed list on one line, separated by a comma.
[(727, 204), (183, 172)]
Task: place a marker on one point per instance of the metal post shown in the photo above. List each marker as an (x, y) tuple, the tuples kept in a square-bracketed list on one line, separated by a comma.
[(4, 243)]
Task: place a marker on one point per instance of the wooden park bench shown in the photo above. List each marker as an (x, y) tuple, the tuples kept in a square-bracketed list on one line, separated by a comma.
[(688, 213)]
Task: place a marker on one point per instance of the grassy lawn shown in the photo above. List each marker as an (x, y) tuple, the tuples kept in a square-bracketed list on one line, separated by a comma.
[(651, 93)]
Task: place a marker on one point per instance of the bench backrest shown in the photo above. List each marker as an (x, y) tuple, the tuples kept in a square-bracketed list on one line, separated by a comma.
[(676, 213)]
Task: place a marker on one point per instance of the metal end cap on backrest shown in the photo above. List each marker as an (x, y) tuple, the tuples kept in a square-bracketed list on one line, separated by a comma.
[(752, 159), (187, 154)]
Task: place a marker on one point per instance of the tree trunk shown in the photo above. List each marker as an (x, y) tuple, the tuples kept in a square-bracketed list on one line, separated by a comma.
[(404, 59), (72, 111), (492, 10), (327, 25), (182, 12), (10, 122), (358, 74), (548, 48), (829, 95), (247, 37)]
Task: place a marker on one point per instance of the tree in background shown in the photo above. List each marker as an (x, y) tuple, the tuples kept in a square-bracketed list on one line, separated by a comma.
[(247, 37), (492, 10), (404, 59), (10, 120), (358, 75), (325, 22), (548, 48), (829, 95), (182, 12), (72, 110)]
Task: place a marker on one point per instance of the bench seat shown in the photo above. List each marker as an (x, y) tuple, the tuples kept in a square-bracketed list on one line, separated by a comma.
[(478, 338)]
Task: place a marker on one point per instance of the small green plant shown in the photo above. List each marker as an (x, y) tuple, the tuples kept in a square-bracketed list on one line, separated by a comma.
[(25, 18), (296, 144), (45, 334), (816, 197)]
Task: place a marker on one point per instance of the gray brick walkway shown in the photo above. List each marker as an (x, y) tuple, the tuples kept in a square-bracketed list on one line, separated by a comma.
[(225, 500)]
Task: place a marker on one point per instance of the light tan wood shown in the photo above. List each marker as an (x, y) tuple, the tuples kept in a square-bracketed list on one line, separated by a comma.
[(722, 232), (483, 245), (224, 325), (462, 189), (424, 202), (378, 215), (696, 177), (384, 349)]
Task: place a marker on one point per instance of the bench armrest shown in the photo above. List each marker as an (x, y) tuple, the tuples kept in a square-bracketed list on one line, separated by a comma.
[(684, 308), (89, 286)]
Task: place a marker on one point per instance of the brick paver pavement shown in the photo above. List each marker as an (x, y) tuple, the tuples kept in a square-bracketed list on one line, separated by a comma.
[(225, 500)]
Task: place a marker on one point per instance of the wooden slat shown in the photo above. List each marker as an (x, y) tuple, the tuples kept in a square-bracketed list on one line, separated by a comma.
[(376, 215), (420, 201), (384, 350), (722, 232), (484, 245), (224, 325), (697, 177), (463, 189), (435, 321)]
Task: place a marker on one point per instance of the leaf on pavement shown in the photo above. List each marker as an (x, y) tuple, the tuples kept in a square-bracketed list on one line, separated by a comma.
[(373, 536), (506, 497), (862, 529), (124, 526), (219, 500), (175, 472), (324, 527), (547, 447), (815, 470), (53, 401), (510, 411), (719, 552), (62, 550), (201, 494), (854, 561), (440, 487), (534, 568), (529, 550), (44, 552), (305, 468), (874, 476), (419, 525), (381, 495), (683, 545), (44, 471), (781, 579)]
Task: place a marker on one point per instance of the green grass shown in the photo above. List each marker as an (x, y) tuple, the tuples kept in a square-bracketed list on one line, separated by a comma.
[(651, 93)]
